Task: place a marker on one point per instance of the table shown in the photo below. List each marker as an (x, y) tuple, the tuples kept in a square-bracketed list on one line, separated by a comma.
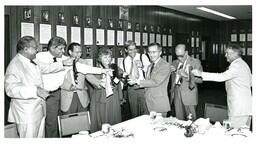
[(143, 127)]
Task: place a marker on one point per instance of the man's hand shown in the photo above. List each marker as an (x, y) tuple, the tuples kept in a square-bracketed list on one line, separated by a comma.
[(132, 80), (196, 72), (182, 73), (42, 93), (68, 62)]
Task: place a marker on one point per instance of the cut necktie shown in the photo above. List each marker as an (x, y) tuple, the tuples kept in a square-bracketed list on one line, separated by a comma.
[(54, 59)]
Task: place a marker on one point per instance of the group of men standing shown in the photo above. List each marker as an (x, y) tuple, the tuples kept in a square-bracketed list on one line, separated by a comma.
[(36, 82)]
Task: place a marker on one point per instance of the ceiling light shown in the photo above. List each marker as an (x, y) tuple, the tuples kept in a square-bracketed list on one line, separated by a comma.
[(215, 12)]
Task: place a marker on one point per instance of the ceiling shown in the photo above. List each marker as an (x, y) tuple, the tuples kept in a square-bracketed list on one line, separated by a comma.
[(237, 11)]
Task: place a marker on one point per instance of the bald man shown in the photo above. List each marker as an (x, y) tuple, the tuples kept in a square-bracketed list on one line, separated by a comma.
[(184, 84)]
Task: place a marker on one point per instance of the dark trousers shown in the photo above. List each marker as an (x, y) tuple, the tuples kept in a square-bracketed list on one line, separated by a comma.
[(181, 110), (52, 112), (137, 101), (75, 106)]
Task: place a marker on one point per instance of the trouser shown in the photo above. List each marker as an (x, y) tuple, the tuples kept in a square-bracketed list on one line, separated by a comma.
[(239, 121), (182, 111), (75, 106), (137, 101), (32, 130), (52, 112)]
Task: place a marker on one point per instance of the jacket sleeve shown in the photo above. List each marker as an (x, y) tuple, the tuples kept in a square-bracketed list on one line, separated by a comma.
[(15, 88), (162, 74), (200, 68), (221, 77), (46, 68), (87, 69)]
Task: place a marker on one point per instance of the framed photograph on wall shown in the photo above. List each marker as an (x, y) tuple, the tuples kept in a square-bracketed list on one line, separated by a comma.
[(137, 27), (123, 13), (158, 29), (120, 24), (170, 31), (99, 22), (75, 20), (129, 25), (110, 24), (45, 16), (151, 28), (61, 18), (27, 14), (145, 28), (88, 22)]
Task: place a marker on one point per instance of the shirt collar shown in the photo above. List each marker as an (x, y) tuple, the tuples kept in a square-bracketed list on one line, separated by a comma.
[(236, 60), (23, 58), (157, 60)]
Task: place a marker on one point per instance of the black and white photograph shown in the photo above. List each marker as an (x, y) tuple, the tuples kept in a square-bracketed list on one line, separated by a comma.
[(177, 73)]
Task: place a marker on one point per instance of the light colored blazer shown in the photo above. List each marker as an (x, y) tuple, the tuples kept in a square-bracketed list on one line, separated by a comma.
[(238, 82), (156, 87), (189, 97), (21, 81), (67, 95)]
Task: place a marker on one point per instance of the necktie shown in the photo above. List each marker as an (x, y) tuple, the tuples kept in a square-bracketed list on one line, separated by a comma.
[(179, 81), (54, 59), (31, 61), (75, 71), (151, 69), (191, 86)]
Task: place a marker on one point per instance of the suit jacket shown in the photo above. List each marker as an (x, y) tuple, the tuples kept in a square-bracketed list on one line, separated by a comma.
[(67, 94), (238, 82), (21, 81), (156, 87), (189, 97)]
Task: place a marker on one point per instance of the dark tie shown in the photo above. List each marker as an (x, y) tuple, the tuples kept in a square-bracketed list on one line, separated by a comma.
[(180, 78), (191, 85), (31, 61), (151, 69), (54, 59), (75, 71)]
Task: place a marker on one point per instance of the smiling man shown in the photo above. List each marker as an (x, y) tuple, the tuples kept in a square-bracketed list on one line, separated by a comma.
[(238, 82), (156, 81)]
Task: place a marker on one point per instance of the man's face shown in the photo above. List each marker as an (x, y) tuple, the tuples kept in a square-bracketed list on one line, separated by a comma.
[(32, 50), (131, 51), (180, 53), (57, 51), (106, 59), (76, 53), (154, 53), (230, 55)]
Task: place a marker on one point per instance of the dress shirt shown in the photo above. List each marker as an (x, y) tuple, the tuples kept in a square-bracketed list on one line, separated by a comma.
[(238, 82), (21, 81), (128, 65)]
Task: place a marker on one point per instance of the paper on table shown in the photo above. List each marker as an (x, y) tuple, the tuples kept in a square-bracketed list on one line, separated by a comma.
[(144, 39), (137, 38), (27, 29), (88, 36), (45, 33), (120, 38), (99, 36), (76, 34), (111, 37), (108, 88), (129, 36), (61, 31)]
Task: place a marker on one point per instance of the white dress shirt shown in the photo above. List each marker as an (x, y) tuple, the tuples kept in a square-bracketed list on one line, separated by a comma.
[(238, 82), (128, 65), (21, 81)]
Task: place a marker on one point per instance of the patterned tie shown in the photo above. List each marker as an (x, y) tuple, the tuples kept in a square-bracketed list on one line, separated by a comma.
[(191, 85), (75, 71), (54, 59)]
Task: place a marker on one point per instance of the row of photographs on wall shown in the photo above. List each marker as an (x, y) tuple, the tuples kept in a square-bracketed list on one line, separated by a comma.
[(243, 37), (112, 37), (215, 49), (99, 22)]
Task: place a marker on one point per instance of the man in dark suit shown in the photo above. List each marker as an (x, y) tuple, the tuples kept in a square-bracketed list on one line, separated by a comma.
[(156, 81), (184, 90)]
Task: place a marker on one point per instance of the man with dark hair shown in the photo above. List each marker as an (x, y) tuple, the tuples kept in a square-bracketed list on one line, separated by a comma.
[(156, 81), (184, 90), (238, 82), (136, 65), (23, 83), (52, 83)]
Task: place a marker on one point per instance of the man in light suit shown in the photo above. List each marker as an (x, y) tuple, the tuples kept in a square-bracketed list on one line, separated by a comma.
[(184, 90), (156, 81), (238, 82), (23, 83)]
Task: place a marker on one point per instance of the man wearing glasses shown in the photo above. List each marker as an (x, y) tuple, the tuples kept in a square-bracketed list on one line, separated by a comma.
[(238, 82), (156, 81), (184, 90)]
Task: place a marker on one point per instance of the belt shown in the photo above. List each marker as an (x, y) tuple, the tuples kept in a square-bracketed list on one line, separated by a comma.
[(54, 91)]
